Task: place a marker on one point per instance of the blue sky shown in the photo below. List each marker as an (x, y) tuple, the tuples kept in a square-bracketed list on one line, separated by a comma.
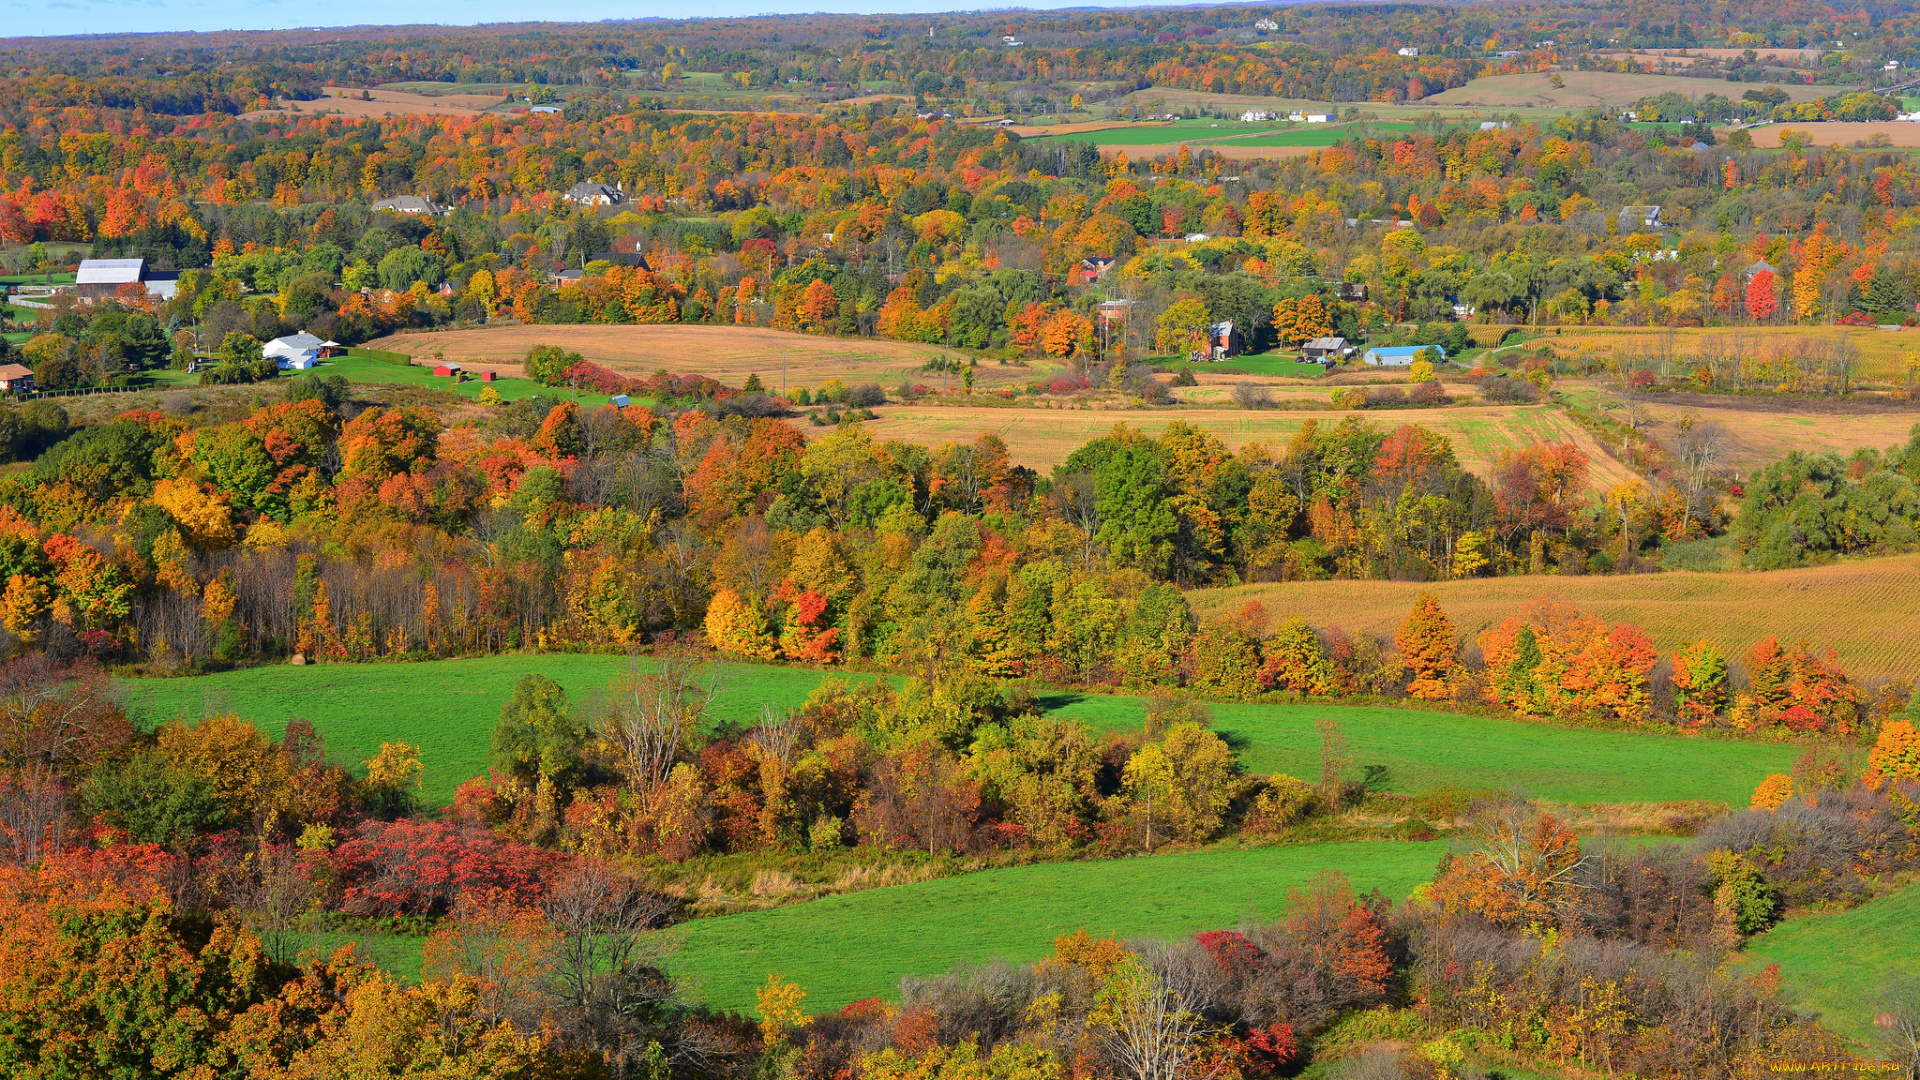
[(58, 17)]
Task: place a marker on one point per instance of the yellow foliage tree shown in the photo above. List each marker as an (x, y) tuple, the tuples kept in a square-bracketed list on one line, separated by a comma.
[(736, 625), (780, 1009), (234, 759), (22, 605), (1773, 791), (1895, 755), (396, 767), (205, 517)]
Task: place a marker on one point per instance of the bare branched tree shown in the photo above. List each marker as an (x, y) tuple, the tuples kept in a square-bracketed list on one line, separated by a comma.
[(1899, 1022), (34, 807), (1147, 1027), (778, 737), (1700, 447), (649, 717), (278, 896)]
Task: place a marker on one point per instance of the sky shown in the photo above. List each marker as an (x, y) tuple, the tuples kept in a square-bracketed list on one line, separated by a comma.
[(42, 18)]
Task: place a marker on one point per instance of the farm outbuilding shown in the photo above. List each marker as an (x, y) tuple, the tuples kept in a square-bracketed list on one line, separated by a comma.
[(1399, 355)]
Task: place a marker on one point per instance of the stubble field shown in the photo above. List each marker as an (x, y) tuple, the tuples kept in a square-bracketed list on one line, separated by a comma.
[(1042, 438), (1865, 610), (1590, 88), (727, 353), (1897, 132)]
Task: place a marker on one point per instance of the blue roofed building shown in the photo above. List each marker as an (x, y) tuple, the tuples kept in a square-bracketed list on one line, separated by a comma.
[(1399, 355)]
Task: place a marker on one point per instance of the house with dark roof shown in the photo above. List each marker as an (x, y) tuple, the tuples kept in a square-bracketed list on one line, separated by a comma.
[(591, 194), (1093, 266)]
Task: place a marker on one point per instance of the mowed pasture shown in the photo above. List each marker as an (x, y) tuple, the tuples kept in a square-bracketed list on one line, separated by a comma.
[(1865, 610), (1837, 964), (858, 945), (1042, 438), (727, 353), (445, 707), (1427, 751), (1590, 88), (449, 707)]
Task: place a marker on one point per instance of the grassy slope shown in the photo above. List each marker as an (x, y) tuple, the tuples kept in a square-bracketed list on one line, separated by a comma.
[(858, 945), (1431, 750), (449, 707), (1834, 963), (364, 370)]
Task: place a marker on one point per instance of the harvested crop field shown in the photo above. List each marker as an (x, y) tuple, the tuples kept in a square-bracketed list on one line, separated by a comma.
[(1864, 610), (1584, 88), (1898, 133), (1877, 353), (727, 353), (1759, 436), (393, 103), (1042, 438)]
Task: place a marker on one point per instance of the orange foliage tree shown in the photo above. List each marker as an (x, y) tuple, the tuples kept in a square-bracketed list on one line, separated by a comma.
[(1428, 648)]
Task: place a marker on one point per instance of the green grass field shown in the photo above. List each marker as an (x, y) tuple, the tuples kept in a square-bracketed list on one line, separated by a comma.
[(362, 369), (448, 708), (368, 371), (1279, 362), (1834, 964), (1426, 751), (844, 948)]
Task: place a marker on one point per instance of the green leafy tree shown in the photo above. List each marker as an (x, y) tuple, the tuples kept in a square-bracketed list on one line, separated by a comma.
[(538, 738), (403, 266), (154, 801), (548, 364)]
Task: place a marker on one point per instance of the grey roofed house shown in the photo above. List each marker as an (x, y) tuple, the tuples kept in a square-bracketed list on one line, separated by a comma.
[(1641, 217), (1325, 346), (407, 204), (296, 343), (1761, 265), (591, 194)]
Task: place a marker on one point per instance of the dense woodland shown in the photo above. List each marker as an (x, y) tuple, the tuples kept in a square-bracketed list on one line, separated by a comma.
[(159, 889)]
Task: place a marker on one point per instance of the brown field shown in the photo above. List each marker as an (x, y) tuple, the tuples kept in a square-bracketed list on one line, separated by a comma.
[(1791, 56), (1760, 436), (1865, 611), (1042, 438), (1898, 133), (392, 103), (1878, 352), (1028, 131), (1584, 88), (727, 353), (1172, 97)]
